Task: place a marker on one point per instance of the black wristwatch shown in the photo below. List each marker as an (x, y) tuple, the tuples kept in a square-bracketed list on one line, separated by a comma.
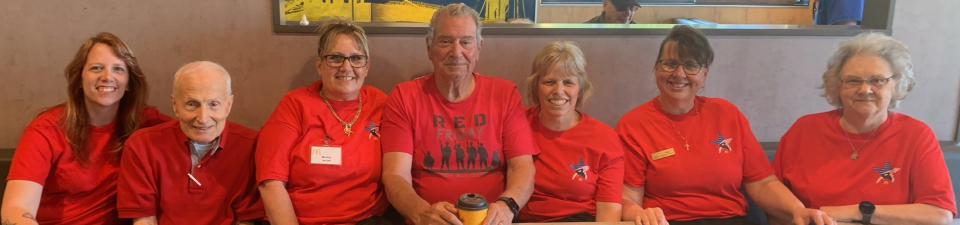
[(514, 207), (866, 210)]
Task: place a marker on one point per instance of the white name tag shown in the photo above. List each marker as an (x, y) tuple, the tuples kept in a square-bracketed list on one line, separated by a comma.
[(325, 155)]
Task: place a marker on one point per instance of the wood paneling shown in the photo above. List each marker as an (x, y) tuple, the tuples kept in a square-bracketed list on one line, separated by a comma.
[(665, 14)]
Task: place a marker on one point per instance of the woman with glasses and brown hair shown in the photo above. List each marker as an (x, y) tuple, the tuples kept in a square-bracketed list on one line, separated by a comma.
[(861, 161), (580, 165), (65, 167), (688, 156), (318, 155)]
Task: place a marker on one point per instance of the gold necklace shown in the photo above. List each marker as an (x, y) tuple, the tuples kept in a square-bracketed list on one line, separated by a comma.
[(346, 126), (855, 150), (685, 144)]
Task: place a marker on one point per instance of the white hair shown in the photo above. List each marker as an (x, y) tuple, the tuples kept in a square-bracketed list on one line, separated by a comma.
[(892, 51), (193, 67), (457, 10)]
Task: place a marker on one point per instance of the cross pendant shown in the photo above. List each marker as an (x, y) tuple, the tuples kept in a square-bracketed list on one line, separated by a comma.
[(686, 145), (346, 130)]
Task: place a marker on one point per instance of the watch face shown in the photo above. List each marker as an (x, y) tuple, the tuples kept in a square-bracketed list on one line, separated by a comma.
[(867, 207)]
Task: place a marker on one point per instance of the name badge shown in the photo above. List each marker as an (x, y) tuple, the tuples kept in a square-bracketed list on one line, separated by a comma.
[(663, 154), (325, 155)]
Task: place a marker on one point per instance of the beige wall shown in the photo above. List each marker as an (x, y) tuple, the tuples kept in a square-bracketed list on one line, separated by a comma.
[(771, 79), (665, 14)]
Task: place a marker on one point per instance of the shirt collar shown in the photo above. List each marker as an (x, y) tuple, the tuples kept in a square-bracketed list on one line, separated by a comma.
[(182, 138)]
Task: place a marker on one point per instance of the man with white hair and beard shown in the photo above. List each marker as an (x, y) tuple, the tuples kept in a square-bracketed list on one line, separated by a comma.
[(201, 164)]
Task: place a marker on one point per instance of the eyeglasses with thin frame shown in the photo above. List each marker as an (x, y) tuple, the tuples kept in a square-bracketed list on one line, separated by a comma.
[(336, 61), (689, 68), (855, 82)]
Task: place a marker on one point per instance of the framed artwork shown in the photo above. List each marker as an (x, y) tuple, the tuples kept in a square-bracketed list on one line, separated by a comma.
[(418, 11)]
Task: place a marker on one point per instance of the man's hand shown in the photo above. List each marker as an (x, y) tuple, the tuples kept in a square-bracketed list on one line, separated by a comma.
[(440, 213), (651, 216), (804, 216), (498, 214)]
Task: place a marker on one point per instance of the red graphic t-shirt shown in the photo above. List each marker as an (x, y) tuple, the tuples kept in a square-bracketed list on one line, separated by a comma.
[(457, 147)]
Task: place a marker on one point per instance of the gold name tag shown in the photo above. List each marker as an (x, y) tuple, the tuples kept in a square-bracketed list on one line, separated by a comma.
[(662, 154)]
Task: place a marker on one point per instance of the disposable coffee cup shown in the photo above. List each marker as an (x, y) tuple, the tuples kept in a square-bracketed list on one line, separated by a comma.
[(472, 208)]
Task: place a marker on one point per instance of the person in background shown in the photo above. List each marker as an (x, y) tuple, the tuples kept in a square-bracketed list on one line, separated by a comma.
[(862, 161), (580, 165), (198, 169), (64, 170), (837, 12), (616, 11)]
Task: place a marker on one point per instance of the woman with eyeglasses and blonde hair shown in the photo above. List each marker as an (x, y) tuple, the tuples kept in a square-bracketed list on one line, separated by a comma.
[(580, 165), (861, 161), (318, 155), (66, 164), (687, 156)]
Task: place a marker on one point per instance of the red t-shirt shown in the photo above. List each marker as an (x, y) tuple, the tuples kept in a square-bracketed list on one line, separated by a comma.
[(703, 182), (154, 181), (323, 193), (901, 163), (457, 147), (72, 193), (576, 168)]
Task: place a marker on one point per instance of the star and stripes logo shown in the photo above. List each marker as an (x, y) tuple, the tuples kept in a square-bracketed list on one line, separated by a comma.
[(723, 143), (579, 170), (374, 131), (886, 173)]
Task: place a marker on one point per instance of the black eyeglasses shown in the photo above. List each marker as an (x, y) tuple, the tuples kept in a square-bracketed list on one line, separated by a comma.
[(690, 68), (854, 82), (335, 61)]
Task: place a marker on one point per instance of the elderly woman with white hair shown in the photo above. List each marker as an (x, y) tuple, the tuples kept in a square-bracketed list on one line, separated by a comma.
[(861, 161)]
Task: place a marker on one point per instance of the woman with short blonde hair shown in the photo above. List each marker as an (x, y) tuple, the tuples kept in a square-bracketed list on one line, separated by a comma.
[(336, 115), (580, 165)]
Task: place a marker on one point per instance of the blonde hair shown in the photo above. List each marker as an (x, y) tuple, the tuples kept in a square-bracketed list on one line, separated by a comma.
[(339, 25), (890, 50), (566, 57)]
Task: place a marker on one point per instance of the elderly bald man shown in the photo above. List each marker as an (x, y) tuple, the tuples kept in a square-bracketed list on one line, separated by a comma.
[(201, 164)]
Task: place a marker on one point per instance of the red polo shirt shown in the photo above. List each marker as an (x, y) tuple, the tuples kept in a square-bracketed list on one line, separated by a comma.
[(154, 180), (576, 168), (73, 193), (899, 163), (324, 193)]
